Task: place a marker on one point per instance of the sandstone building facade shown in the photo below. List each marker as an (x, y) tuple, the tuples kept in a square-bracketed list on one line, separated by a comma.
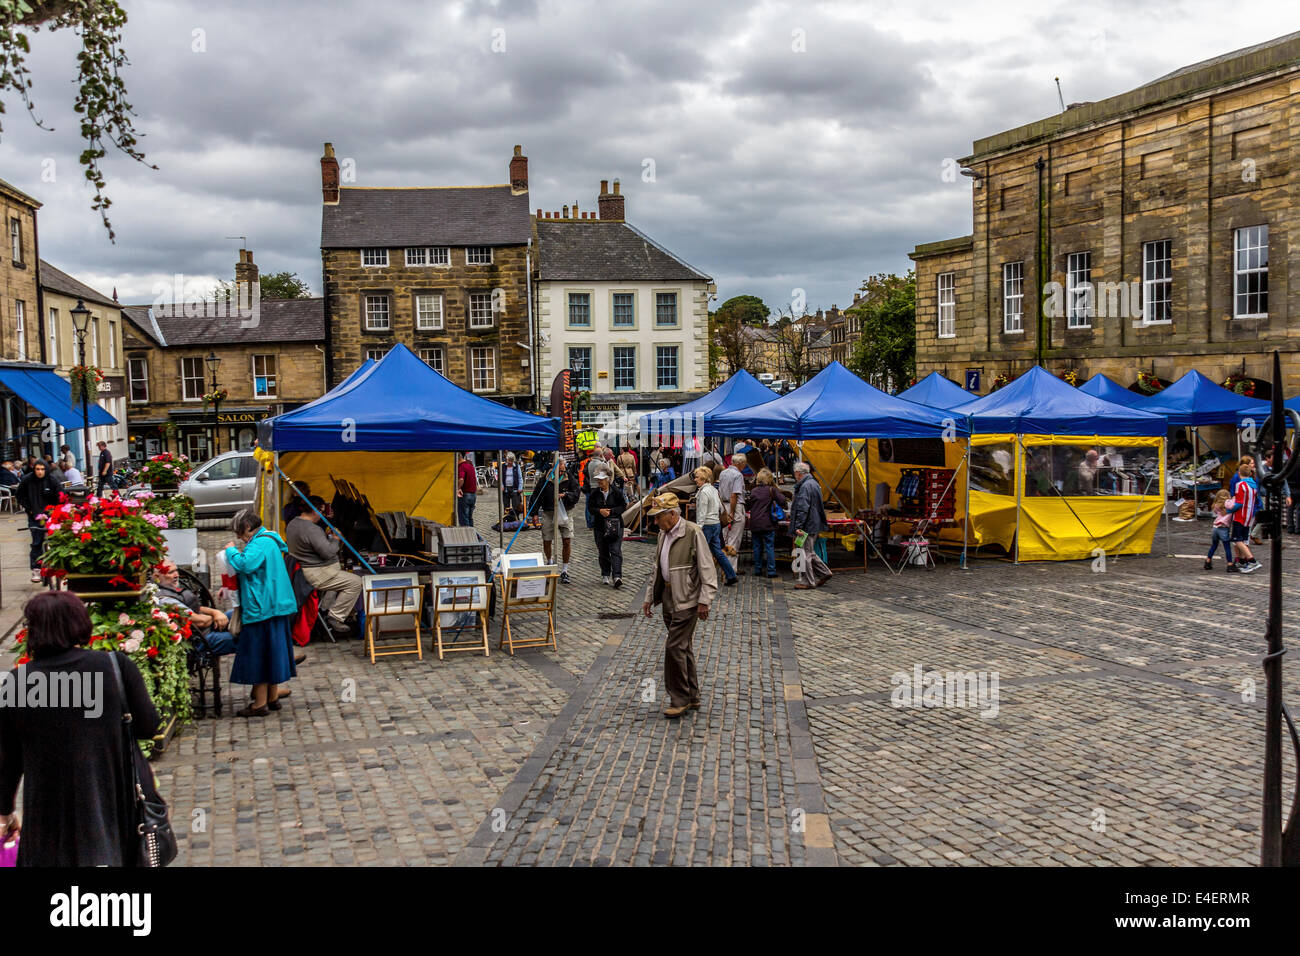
[(1146, 232)]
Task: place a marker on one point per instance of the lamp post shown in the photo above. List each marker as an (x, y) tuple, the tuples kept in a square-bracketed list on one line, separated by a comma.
[(214, 362), (81, 323)]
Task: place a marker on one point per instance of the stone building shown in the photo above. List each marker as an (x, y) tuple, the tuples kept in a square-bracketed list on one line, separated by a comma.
[(625, 314), (20, 294), (1145, 232), (444, 270), (272, 360), (104, 350)]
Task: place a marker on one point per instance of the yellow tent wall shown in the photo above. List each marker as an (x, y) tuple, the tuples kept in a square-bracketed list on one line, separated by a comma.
[(420, 483), (890, 473)]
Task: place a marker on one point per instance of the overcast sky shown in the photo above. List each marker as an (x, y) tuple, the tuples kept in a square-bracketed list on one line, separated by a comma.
[(793, 145)]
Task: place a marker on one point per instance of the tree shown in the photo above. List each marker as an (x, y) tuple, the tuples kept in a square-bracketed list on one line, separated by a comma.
[(885, 353), (284, 285), (748, 309), (106, 116), (794, 338), (730, 341)]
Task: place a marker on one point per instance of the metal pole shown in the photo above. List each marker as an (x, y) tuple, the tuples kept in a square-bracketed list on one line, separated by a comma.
[(1272, 837), (1018, 464), (1164, 487), (501, 507), (85, 405), (965, 524), (1196, 466)]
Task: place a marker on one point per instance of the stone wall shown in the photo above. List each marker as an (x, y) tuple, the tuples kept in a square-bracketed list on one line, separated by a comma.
[(347, 281), (18, 283)]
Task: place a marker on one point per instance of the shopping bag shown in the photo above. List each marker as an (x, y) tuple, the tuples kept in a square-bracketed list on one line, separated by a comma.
[(800, 538), (561, 513), (9, 853)]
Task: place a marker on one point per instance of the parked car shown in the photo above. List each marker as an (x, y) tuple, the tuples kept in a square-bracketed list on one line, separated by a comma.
[(223, 485), (767, 378), (777, 386)]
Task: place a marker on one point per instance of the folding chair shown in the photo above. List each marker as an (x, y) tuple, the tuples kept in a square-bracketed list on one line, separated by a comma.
[(460, 599)]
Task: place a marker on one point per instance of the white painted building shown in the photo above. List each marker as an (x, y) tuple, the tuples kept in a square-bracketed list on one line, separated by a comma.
[(628, 316)]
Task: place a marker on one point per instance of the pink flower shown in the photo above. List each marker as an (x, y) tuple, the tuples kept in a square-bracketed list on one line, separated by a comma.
[(133, 644), (53, 526), (123, 619), (137, 635)]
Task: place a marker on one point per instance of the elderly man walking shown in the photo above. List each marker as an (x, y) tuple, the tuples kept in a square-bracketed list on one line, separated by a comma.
[(685, 584), (808, 515)]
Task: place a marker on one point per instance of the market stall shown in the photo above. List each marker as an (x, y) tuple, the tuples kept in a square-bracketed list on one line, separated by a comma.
[(936, 391), (1058, 474), (837, 418)]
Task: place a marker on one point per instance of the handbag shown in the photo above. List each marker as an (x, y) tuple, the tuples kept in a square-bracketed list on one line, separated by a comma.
[(613, 528), (9, 852), (157, 846), (233, 628), (777, 512)]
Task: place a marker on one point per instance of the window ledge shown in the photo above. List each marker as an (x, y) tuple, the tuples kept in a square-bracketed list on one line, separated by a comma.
[(1013, 331), (1261, 315)]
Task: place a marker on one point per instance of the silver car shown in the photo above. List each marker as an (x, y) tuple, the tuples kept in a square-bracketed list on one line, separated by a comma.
[(224, 485)]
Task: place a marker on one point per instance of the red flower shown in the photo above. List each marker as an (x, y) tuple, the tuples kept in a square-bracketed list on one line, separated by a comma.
[(152, 652), (117, 581), (122, 532), (23, 660), (85, 536)]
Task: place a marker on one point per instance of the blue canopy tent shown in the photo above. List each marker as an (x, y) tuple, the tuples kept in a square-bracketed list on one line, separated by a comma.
[(836, 404), (695, 419), (400, 404), (1193, 402), (936, 391), (1260, 413), (1107, 389), (1040, 411)]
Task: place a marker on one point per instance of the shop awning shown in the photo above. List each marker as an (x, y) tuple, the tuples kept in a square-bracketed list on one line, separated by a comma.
[(50, 395)]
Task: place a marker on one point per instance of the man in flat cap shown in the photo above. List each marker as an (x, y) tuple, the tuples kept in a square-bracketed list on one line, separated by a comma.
[(685, 583)]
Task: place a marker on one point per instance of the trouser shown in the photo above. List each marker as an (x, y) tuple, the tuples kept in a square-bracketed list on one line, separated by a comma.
[(1221, 536), (680, 679), (1293, 517), (104, 481), (610, 553), (220, 643), (735, 531), (339, 590), (814, 570), (465, 509), (38, 546), (764, 551), (513, 499), (713, 535)]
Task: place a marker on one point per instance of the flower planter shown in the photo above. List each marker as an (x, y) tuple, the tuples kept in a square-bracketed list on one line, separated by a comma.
[(163, 737), (98, 585), (182, 545)]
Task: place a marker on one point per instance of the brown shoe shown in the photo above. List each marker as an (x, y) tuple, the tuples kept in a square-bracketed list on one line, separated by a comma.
[(694, 705), (674, 711)]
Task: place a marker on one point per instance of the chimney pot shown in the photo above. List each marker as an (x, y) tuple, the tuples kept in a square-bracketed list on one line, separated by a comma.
[(518, 172), (616, 187), (329, 176), (566, 212), (245, 275), (604, 185), (539, 213)]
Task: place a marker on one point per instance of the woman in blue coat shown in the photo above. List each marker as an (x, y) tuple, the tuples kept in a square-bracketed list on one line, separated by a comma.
[(266, 611)]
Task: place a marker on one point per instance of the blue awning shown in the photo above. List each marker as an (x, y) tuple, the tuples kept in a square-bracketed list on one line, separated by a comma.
[(50, 395)]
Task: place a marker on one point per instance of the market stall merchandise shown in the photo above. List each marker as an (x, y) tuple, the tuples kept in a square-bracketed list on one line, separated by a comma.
[(1059, 474)]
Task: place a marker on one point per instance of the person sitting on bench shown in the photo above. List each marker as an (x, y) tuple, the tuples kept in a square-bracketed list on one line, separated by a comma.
[(317, 550), (208, 622)]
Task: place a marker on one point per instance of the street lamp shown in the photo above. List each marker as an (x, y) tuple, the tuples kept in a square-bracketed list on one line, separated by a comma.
[(81, 323), (214, 362)]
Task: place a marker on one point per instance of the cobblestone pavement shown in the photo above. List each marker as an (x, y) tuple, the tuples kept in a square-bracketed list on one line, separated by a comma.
[(1121, 732), (1121, 736)]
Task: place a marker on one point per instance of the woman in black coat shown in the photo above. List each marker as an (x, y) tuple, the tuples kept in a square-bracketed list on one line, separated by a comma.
[(36, 492), (607, 504), (70, 755)]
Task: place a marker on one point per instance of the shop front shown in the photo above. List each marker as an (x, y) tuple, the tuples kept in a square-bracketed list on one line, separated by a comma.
[(188, 431)]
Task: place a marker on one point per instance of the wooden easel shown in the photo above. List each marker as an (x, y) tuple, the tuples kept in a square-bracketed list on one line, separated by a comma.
[(511, 603), (462, 600), (385, 598)]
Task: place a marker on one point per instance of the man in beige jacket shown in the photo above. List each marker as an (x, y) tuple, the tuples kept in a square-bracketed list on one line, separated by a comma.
[(685, 582)]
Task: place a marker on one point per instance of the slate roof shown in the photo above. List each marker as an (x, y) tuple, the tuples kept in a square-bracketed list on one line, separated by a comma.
[(613, 251), (56, 280), (279, 320), (439, 216)]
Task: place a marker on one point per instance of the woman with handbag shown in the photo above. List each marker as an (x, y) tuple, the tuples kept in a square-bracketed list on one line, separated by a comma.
[(766, 502), (78, 778), (606, 505), (708, 515), (267, 608)]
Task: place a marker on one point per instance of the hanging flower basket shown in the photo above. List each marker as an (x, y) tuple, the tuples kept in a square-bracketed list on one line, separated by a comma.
[(1070, 376), (1002, 378), (85, 381), (219, 395), (1241, 384), (1148, 384)]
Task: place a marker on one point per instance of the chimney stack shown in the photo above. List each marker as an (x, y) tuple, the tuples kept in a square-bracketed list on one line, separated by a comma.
[(246, 277), (518, 172), (329, 176), (610, 204)]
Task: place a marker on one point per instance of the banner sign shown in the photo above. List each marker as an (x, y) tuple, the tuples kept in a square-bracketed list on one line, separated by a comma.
[(562, 407)]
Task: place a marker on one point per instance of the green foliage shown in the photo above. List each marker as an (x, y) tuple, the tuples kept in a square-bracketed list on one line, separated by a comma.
[(886, 351), (283, 285), (746, 309), (106, 116), (177, 509)]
